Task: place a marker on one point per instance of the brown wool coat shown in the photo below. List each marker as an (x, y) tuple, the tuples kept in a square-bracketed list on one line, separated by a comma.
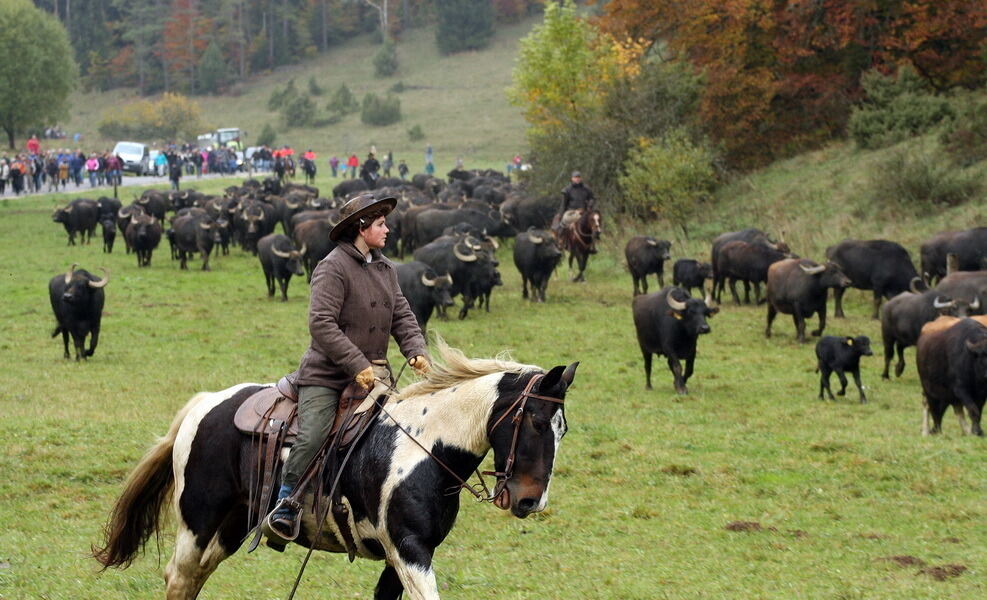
[(355, 306)]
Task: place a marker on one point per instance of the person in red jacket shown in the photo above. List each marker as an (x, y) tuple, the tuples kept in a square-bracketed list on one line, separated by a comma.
[(353, 163), (33, 145)]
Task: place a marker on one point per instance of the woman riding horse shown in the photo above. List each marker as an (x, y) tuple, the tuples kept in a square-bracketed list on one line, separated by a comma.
[(399, 484)]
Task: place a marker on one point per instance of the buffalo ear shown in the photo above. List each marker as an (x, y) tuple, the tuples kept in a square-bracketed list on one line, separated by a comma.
[(712, 311)]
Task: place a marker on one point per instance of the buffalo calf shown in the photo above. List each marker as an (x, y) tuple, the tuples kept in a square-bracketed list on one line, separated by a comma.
[(688, 273), (842, 355)]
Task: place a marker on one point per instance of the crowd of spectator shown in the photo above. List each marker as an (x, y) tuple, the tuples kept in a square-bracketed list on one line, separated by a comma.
[(54, 170)]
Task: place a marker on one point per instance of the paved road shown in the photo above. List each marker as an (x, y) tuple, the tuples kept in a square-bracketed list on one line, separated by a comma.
[(131, 181)]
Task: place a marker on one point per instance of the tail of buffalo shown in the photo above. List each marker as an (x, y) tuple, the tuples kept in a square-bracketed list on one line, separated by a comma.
[(137, 513)]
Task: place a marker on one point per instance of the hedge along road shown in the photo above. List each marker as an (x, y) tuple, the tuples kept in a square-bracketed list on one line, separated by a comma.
[(747, 488)]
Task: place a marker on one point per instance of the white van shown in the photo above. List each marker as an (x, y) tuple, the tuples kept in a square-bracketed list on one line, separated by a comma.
[(136, 157)]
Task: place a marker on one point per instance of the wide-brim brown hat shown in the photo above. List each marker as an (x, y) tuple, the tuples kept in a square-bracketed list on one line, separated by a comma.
[(359, 207)]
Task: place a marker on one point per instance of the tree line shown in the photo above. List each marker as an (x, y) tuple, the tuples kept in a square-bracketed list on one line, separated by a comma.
[(203, 46)]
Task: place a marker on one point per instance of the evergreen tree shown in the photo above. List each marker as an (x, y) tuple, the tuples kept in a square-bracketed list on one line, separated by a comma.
[(386, 60), (213, 71), (463, 25)]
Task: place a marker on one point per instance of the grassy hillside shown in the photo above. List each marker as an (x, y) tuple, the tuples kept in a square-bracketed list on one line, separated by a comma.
[(458, 100), (747, 488)]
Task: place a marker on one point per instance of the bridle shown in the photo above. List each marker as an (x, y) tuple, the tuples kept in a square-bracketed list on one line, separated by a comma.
[(518, 409), (502, 476)]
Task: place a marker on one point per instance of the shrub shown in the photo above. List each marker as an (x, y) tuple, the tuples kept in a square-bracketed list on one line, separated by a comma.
[(314, 88), (416, 134), (280, 98), (896, 108), (267, 136), (380, 111), (920, 180), (671, 178), (386, 60), (171, 118), (966, 138), (343, 102), (298, 112), (398, 87)]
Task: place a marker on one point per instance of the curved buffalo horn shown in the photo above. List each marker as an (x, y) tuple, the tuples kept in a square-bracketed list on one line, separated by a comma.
[(68, 274), (494, 243), (183, 194), (914, 283), (426, 281), (463, 257), (447, 277), (333, 221), (102, 282), (708, 300), (124, 213), (673, 303), (651, 241), (68, 208), (206, 226), (535, 239), (975, 305), (292, 205), (280, 253), (143, 200), (938, 304), (303, 250), (812, 270)]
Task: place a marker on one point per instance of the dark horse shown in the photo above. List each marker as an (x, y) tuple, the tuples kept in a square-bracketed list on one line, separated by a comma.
[(400, 506), (308, 167), (580, 238)]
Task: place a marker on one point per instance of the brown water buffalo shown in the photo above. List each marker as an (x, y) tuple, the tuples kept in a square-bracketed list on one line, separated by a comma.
[(800, 287)]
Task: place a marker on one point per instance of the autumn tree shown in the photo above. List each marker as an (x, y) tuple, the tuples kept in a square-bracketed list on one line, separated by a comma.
[(37, 68), (184, 39)]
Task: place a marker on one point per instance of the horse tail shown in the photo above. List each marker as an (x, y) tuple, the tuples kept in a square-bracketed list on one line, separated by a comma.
[(137, 512)]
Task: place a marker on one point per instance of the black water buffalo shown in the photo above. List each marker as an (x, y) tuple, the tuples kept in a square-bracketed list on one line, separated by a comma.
[(109, 233), (669, 323), (903, 317), (349, 186), (428, 184), (751, 236), (409, 224), (483, 286), (952, 364), (143, 236), (155, 203), (313, 236), (124, 216), (523, 212), (108, 207), (195, 233), (879, 265), (688, 273), (746, 262), (424, 290), (969, 246), (800, 287), (430, 224), (77, 300), (279, 260), (310, 190), (253, 221), (841, 355), (470, 268), (646, 255), (79, 216), (536, 255)]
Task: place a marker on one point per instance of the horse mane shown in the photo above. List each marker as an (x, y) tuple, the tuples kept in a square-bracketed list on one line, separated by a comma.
[(453, 367)]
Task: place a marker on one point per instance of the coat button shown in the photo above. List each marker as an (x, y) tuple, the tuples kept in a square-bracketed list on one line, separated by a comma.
[(373, 303), (372, 329)]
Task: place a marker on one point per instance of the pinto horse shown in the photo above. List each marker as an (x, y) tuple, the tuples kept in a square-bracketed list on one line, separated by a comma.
[(402, 500), (580, 238)]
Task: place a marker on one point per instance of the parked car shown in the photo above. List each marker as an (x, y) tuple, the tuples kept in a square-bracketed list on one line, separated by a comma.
[(136, 157)]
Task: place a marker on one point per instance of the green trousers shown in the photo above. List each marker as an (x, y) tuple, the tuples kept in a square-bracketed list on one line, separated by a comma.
[(316, 411)]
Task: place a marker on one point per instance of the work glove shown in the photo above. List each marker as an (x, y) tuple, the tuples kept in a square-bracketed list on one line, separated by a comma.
[(420, 364), (365, 378)]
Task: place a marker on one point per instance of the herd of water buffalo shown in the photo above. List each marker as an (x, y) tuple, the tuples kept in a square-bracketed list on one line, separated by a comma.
[(451, 230)]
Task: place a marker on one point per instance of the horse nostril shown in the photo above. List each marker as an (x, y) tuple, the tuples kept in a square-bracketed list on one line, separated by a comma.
[(527, 504)]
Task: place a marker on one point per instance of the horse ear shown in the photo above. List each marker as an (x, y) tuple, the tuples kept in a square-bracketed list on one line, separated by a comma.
[(558, 375)]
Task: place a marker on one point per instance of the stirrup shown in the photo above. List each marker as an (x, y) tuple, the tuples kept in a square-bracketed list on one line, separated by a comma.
[(276, 536)]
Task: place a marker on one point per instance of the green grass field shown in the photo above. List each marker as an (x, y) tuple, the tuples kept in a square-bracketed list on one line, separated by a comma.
[(646, 483), (458, 100)]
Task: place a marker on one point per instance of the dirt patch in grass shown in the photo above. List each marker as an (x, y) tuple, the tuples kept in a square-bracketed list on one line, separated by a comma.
[(680, 470), (904, 560), (745, 526), (943, 572), (952, 540)]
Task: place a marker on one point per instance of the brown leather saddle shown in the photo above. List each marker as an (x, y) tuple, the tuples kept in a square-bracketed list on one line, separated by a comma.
[(270, 416)]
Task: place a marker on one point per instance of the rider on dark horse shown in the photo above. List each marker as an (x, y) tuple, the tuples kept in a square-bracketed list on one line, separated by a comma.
[(577, 199), (356, 306)]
